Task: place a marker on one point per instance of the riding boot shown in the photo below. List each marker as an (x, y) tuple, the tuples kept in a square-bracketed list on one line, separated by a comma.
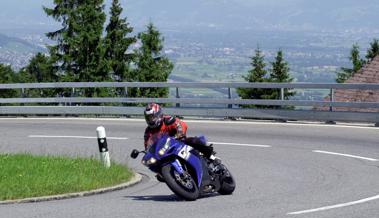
[(213, 157)]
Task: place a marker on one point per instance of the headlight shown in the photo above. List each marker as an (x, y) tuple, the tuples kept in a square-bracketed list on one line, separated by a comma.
[(165, 147), (161, 151), (151, 161)]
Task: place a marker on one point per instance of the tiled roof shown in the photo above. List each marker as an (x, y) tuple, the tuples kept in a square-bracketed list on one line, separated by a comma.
[(368, 74)]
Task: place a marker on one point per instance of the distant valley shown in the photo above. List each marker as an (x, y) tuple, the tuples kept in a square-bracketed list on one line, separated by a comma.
[(213, 40), (215, 55)]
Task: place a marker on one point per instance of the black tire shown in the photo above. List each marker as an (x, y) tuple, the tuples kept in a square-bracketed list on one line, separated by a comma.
[(227, 182), (188, 193)]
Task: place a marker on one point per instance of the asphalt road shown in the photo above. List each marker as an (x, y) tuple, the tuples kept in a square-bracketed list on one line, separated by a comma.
[(293, 176)]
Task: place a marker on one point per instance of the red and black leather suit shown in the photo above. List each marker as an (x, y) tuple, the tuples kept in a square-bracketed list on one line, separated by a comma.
[(178, 129)]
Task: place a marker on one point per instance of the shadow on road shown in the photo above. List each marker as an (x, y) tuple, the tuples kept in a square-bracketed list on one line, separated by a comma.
[(166, 198), (154, 198)]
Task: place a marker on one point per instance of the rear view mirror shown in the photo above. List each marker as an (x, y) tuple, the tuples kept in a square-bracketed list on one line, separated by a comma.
[(134, 154)]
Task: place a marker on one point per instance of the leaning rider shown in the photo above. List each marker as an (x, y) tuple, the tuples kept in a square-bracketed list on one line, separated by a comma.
[(173, 126)]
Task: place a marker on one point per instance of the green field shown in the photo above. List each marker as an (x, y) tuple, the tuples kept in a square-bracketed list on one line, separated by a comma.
[(211, 70)]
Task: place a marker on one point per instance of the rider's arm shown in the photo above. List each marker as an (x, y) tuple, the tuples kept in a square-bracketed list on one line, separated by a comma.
[(181, 129), (176, 127), (146, 137)]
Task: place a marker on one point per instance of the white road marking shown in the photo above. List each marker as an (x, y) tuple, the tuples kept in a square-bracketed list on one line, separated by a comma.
[(239, 144), (335, 206), (73, 137), (346, 155)]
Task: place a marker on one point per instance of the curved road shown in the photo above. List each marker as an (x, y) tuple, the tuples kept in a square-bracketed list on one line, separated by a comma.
[(282, 170)]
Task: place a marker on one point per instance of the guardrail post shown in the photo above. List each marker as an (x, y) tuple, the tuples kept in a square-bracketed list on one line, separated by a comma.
[(230, 97), (72, 95), (22, 95), (177, 96), (282, 94), (281, 106), (126, 91), (126, 95), (331, 98)]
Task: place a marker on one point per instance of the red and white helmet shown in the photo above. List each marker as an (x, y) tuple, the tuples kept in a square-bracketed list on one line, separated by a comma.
[(153, 115)]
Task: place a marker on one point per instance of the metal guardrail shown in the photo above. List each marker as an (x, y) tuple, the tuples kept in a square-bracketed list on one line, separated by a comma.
[(192, 101), (229, 111), (366, 86)]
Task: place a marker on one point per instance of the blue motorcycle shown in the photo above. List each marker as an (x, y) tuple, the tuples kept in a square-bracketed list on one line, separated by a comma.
[(185, 170)]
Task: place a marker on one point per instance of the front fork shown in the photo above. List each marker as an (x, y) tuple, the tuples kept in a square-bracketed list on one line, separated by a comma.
[(178, 166)]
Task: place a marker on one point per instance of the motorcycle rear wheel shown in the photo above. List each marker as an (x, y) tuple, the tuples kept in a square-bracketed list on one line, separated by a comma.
[(185, 188)]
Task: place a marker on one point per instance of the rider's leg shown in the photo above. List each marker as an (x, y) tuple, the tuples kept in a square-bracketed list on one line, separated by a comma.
[(202, 146), (199, 145)]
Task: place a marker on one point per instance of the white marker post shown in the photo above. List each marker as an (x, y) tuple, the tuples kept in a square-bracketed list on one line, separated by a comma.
[(103, 147)]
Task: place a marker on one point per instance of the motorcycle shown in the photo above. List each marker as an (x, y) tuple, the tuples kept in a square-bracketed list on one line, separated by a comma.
[(185, 170)]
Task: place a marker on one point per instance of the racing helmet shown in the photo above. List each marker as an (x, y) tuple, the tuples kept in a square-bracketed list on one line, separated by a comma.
[(153, 115)]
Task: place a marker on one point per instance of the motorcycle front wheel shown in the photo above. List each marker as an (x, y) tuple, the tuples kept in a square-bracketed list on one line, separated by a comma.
[(227, 182), (183, 186)]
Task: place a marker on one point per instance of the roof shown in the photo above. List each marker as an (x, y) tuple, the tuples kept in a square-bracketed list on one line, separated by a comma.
[(368, 74)]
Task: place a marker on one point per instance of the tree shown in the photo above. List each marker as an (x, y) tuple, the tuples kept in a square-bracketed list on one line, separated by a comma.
[(373, 51), (79, 54), (39, 70), (151, 63), (117, 44), (61, 53), (7, 75), (357, 62), (280, 74), (257, 74)]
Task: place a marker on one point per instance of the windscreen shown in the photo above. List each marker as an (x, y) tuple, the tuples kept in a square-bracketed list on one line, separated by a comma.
[(154, 140)]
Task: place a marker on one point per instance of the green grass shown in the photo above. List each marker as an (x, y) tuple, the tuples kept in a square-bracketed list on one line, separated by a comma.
[(24, 175)]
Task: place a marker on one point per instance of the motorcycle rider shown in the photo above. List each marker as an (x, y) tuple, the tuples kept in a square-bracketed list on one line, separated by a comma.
[(158, 122)]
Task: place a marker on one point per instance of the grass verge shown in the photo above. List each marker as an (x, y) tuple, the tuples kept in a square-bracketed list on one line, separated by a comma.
[(24, 175)]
